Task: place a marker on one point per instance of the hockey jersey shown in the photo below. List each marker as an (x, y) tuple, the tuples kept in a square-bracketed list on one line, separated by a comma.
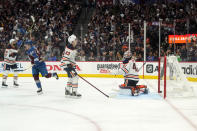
[(129, 71), (10, 55), (34, 55), (68, 56)]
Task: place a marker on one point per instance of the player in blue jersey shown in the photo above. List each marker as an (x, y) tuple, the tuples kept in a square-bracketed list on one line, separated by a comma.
[(38, 65)]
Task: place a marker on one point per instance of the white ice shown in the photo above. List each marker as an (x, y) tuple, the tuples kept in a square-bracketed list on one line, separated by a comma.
[(21, 109)]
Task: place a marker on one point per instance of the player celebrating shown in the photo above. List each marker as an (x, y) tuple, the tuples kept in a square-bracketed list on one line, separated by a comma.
[(38, 65), (130, 73), (69, 65), (10, 62)]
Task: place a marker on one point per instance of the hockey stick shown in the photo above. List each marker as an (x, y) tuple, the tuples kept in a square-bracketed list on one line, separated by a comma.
[(93, 86), (141, 66), (90, 83), (25, 69)]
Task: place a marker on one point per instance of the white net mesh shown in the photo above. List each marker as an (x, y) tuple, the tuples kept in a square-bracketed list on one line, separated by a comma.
[(177, 84)]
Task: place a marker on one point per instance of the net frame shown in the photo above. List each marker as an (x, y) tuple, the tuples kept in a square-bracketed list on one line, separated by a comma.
[(176, 84)]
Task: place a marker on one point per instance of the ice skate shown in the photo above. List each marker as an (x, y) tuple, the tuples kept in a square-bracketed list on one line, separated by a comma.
[(56, 75), (16, 85), (39, 91), (67, 93), (4, 85), (75, 95)]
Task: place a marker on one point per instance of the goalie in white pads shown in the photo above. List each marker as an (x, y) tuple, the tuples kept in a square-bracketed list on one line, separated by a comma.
[(69, 65), (10, 63), (131, 77)]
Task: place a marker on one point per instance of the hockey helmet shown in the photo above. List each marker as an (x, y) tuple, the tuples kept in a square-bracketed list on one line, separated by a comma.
[(127, 54), (11, 41), (71, 38)]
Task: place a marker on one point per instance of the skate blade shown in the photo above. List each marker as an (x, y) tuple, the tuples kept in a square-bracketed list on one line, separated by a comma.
[(15, 86), (75, 97), (40, 93), (67, 96), (4, 86)]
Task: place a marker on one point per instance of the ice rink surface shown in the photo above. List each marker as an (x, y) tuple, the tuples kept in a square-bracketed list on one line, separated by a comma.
[(21, 109)]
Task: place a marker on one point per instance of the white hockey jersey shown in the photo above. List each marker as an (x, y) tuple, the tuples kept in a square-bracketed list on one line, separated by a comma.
[(68, 57), (129, 71), (10, 56)]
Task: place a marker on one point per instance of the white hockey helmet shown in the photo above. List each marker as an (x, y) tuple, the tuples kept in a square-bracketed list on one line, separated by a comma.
[(71, 38), (11, 40)]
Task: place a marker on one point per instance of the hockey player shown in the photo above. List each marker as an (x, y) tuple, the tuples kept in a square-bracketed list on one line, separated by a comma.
[(130, 72), (10, 62), (38, 64), (69, 65)]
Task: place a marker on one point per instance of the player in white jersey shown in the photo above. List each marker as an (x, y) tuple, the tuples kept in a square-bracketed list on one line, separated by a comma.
[(130, 73), (10, 62), (131, 77), (69, 65)]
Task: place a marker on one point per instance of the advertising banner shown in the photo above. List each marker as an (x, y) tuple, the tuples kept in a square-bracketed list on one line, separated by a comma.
[(181, 38), (103, 69)]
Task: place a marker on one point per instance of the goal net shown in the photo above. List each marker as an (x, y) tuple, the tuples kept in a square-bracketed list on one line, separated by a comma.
[(172, 82)]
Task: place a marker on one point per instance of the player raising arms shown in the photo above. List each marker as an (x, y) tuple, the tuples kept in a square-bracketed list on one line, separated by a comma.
[(38, 65), (10, 62), (129, 71), (69, 65)]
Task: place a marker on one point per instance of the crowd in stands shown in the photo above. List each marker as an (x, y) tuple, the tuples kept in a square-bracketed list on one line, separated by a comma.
[(54, 21), (108, 28), (107, 37)]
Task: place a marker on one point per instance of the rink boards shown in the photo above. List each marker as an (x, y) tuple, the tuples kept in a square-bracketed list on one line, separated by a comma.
[(103, 69)]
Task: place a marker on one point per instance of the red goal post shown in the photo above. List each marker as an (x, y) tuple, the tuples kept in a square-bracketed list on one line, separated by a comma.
[(172, 82)]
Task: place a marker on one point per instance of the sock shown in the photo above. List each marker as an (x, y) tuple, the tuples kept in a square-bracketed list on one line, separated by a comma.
[(69, 86), (38, 83), (4, 79), (15, 79), (74, 87)]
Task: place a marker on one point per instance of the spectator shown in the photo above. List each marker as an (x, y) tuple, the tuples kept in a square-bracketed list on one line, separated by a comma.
[(52, 57), (82, 56), (91, 57), (183, 53), (150, 57)]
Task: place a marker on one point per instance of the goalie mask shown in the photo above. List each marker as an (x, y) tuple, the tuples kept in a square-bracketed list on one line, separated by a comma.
[(127, 56)]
